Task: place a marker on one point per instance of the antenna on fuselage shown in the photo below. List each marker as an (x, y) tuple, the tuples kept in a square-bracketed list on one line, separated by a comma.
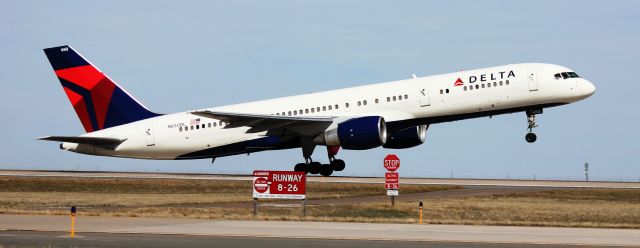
[(414, 76)]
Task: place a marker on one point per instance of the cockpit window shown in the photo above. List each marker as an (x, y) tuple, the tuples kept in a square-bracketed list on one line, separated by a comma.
[(565, 75)]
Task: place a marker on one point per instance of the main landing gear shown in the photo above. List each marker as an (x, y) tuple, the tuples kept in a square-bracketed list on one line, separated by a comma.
[(531, 119), (311, 167)]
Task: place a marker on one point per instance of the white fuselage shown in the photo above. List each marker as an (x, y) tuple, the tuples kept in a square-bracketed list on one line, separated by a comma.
[(425, 100)]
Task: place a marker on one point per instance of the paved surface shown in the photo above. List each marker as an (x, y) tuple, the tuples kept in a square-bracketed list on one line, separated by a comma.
[(336, 179), (327, 230), (59, 239)]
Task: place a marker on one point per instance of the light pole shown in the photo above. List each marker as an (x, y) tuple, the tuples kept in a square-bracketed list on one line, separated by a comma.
[(586, 171)]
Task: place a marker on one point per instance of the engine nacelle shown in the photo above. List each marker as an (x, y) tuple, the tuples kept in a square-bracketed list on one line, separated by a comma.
[(407, 138), (356, 134)]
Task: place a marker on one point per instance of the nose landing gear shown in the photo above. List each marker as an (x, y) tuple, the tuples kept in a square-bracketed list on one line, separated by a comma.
[(531, 120)]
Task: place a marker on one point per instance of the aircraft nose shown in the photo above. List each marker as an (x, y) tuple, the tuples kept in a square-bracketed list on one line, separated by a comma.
[(588, 88)]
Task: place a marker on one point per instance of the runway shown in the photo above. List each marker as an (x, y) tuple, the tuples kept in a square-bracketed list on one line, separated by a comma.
[(297, 233), (59, 239), (337, 179)]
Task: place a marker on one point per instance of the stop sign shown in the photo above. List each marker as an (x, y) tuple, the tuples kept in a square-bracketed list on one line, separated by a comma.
[(391, 162)]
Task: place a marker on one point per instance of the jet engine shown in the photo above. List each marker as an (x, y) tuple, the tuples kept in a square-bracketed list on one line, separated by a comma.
[(356, 134), (407, 138)]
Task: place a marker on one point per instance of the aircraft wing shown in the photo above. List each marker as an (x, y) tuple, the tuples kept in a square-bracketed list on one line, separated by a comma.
[(260, 123), (98, 141)]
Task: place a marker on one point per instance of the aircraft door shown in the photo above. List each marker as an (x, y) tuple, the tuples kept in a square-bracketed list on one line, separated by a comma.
[(533, 81), (424, 96), (148, 136)]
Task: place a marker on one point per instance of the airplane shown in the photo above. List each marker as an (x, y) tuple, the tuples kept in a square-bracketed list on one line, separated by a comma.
[(393, 115)]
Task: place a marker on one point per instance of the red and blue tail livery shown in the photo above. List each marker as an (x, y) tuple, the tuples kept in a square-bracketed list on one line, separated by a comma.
[(99, 102)]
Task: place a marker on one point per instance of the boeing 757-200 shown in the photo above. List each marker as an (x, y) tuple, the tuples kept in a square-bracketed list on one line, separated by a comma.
[(392, 115)]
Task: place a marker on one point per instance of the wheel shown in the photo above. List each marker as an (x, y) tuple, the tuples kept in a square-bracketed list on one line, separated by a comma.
[(531, 137), (337, 164), (326, 170), (302, 167), (314, 167)]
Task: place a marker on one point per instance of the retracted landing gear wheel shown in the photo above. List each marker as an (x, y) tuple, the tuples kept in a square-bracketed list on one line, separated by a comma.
[(326, 170), (337, 164), (314, 167), (301, 167), (531, 137)]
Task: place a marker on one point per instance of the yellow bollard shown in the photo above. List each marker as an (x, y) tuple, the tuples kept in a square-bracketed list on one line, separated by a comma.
[(420, 212), (73, 221)]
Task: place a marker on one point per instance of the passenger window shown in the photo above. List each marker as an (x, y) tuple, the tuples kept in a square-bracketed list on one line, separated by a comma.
[(405, 97), (447, 91), (483, 86), (441, 91), (470, 87), (202, 126), (197, 126), (377, 101), (215, 124), (346, 105), (295, 112), (318, 109), (289, 113), (180, 129), (388, 99), (495, 84), (394, 98), (364, 102), (324, 108), (489, 85), (191, 127), (359, 103), (336, 106), (500, 83), (477, 86), (507, 82), (209, 124), (306, 111), (329, 107), (313, 110)]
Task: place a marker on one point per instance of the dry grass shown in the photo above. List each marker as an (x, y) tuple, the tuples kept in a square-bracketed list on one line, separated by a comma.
[(163, 198)]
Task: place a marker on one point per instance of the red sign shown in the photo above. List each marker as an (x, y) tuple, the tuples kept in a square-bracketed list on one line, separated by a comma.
[(391, 177), (279, 184), (260, 185), (391, 180), (391, 162), (391, 186)]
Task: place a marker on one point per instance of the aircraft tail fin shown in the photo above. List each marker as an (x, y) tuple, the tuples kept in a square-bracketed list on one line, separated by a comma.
[(98, 101)]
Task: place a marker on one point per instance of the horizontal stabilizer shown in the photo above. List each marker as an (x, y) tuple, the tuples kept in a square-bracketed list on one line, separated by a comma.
[(98, 141)]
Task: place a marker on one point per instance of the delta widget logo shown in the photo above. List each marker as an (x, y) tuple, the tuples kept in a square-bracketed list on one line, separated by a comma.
[(458, 82)]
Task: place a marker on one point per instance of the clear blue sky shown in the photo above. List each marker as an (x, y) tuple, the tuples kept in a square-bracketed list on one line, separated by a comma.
[(176, 57)]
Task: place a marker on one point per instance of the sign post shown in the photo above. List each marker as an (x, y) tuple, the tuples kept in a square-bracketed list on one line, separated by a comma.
[(392, 179), (73, 221), (279, 185)]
